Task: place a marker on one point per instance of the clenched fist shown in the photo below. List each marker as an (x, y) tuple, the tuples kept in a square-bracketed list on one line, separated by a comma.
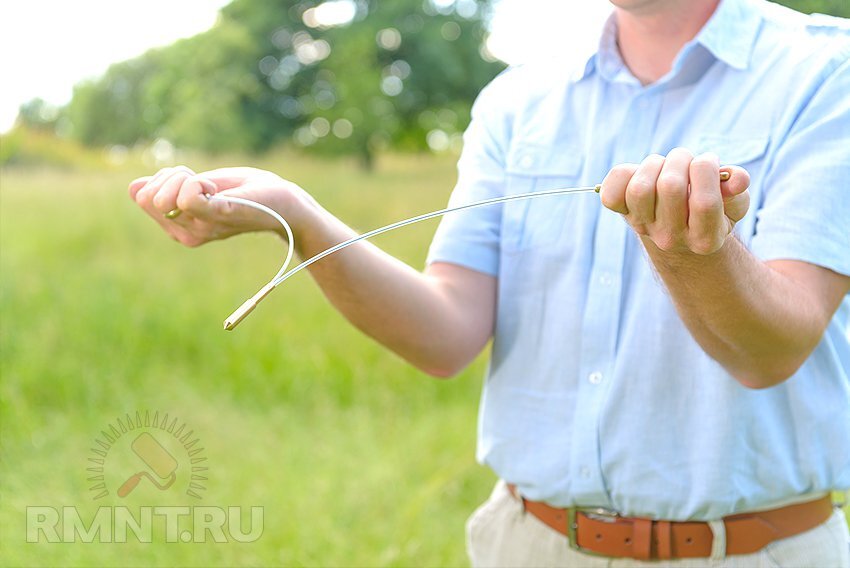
[(679, 202)]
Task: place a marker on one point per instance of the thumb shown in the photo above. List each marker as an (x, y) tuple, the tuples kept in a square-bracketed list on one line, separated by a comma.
[(736, 198), (738, 182), (208, 186), (190, 196)]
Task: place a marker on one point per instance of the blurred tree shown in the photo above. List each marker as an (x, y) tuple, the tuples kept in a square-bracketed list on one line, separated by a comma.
[(114, 109), (205, 95), (341, 76), (425, 67), (337, 76), (38, 115), (839, 8)]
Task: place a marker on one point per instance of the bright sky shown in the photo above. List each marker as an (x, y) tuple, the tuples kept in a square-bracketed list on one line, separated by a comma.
[(46, 46)]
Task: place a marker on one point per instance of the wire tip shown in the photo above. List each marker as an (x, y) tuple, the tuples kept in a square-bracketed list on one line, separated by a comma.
[(240, 314)]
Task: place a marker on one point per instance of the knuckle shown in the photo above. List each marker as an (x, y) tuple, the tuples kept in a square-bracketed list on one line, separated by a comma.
[(664, 241), (623, 170), (640, 229), (705, 205), (182, 173), (178, 176), (620, 169), (680, 151), (702, 245), (185, 202), (705, 161), (608, 200), (192, 184), (144, 196), (640, 187), (159, 200), (671, 184)]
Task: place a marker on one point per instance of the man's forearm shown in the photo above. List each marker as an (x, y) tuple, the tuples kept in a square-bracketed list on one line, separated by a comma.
[(756, 322), (428, 321)]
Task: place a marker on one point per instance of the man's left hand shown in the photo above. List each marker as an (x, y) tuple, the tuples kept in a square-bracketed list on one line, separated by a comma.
[(679, 202)]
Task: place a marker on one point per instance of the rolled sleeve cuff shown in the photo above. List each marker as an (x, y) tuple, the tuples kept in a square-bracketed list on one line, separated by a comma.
[(806, 248), (479, 257)]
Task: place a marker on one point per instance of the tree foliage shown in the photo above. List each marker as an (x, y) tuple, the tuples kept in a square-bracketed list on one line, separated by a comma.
[(399, 73), (840, 8), (272, 71)]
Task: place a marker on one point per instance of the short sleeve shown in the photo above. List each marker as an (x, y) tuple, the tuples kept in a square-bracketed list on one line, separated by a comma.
[(470, 237), (805, 214)]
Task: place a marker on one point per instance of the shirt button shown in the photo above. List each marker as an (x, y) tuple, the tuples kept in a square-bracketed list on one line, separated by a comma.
[(605, 280), (526, 161), (584, 471), (595, 378)]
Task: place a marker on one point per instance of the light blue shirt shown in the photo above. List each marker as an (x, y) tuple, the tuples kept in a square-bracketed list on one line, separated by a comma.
[(596, 393)]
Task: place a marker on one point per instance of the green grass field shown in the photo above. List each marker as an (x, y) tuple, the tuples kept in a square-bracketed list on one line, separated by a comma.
[(356, 458)]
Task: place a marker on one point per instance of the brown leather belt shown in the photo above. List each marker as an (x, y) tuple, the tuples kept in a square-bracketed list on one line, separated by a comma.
[(596, 531)]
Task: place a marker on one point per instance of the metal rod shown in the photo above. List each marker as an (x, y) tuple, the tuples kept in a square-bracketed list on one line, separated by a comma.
[(248, 306)]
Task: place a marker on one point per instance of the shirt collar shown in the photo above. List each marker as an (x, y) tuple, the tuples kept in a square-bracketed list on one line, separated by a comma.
[(729, 35), (606, 54)]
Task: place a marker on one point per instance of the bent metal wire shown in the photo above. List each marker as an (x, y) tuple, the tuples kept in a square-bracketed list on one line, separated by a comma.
[(283, 275)]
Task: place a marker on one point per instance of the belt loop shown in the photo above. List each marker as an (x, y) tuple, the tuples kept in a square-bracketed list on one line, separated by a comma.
[(642, 539), (718, 543), (514, 493), (664, 540)]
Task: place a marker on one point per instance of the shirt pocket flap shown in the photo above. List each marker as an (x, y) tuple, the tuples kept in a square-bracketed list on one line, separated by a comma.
[(538, 223), (734, 151), (540, 161)]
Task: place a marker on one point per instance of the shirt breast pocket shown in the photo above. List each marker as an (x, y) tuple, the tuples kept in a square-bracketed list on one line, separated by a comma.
[(745, 152), (749, 153), (536, 223)]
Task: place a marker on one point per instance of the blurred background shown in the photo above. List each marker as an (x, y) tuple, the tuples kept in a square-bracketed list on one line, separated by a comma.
[(356, 458)]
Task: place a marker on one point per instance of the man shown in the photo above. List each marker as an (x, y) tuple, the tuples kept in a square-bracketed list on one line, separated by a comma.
[(670, 387)]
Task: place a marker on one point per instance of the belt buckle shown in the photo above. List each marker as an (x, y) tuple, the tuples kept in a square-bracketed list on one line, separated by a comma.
[(597, 513)]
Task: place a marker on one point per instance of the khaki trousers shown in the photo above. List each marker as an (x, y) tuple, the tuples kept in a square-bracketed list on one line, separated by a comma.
[(499, 533)]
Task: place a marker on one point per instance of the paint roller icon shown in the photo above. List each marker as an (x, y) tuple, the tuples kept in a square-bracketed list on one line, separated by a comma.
[(156, 458)]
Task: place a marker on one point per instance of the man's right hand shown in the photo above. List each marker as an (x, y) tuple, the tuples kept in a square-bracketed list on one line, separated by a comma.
[(201, 220), (439, 321)]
